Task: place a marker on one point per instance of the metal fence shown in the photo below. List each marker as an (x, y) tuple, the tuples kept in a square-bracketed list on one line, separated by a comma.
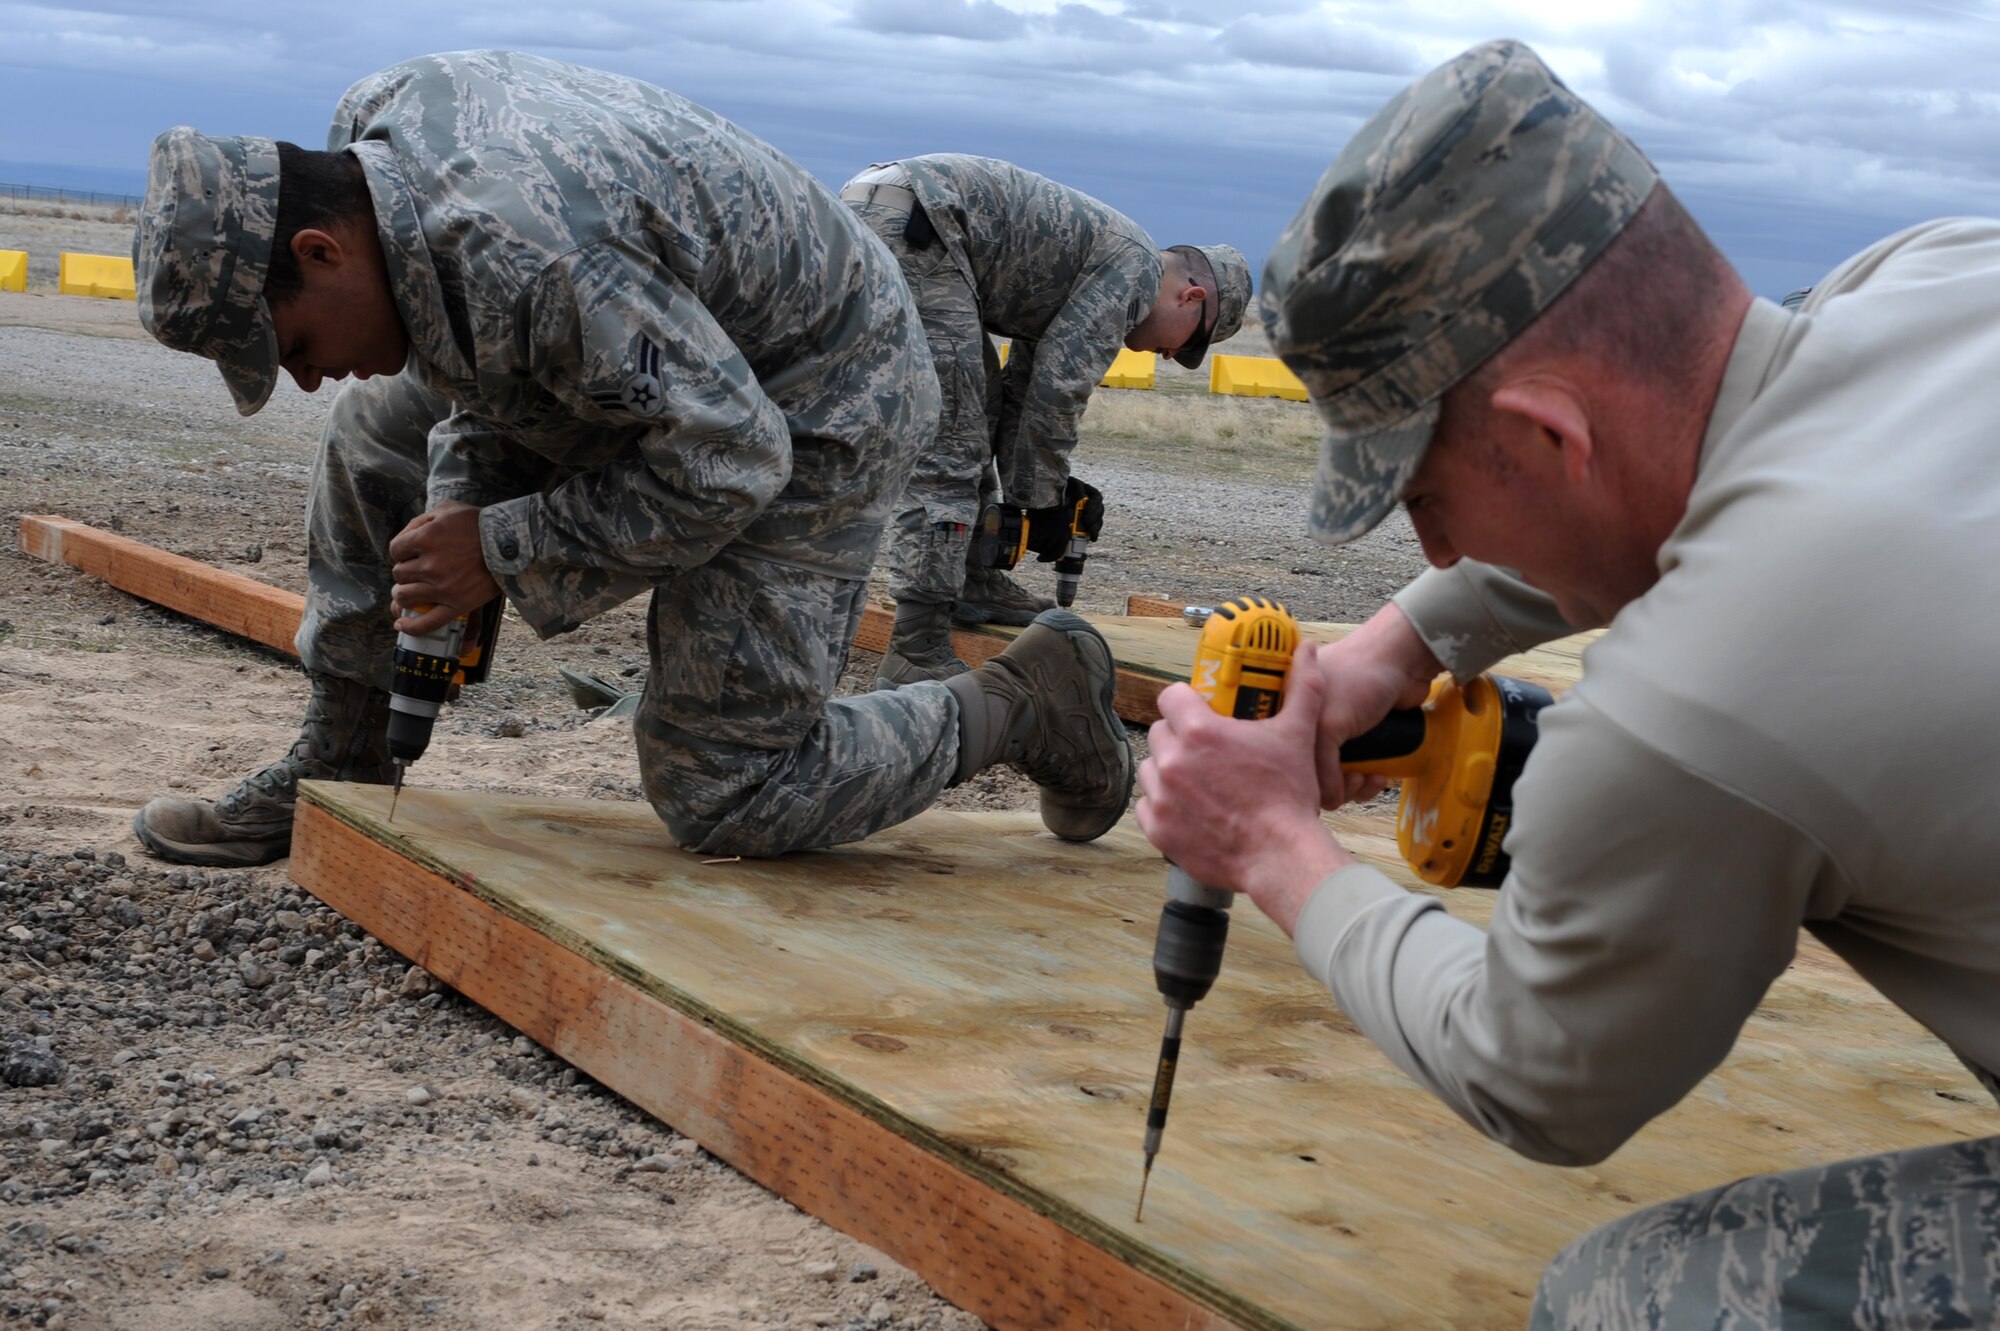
[(64, 194)]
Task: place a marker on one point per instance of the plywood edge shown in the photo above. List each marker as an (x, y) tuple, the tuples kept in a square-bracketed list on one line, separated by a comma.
[(1002, 1251), (228, 600)]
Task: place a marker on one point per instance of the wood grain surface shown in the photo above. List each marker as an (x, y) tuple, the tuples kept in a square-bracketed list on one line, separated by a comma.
[(974, 990)]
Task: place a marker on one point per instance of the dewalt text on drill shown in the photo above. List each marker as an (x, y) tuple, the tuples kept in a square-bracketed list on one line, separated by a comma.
[(1457, 756), (1060, 535), (429, 668)]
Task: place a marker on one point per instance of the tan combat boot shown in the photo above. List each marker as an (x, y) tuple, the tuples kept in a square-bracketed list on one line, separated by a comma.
[(1044, 705), (344, 738), (919, 646), (992, 597)]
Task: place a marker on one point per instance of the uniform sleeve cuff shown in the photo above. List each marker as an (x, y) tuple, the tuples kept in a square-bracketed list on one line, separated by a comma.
[(509, 542), (1342, 897), (1455, 621)]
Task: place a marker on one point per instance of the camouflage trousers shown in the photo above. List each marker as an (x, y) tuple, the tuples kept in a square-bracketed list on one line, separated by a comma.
[(1881, 1243), (743, 749), (954, 477)]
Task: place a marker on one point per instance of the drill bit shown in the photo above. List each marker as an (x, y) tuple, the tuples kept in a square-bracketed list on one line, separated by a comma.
[(1163, 1092), (399, 765)]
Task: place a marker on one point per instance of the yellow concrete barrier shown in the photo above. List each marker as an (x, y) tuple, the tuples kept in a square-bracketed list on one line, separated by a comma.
[(1254, 376), (104, 275), (1132, 369), (13, 270)]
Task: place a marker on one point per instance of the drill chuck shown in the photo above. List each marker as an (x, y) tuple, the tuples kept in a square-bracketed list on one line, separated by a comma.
[(427, 667), (1069, 569), (1187, 953), (424, 667)]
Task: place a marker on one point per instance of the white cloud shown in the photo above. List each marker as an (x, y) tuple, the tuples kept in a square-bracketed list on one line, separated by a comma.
[(972, 20), (1317, 40)]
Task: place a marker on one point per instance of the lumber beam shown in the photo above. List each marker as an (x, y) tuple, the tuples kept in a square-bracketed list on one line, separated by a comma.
[(1143, 606), (985, 1250), (1151, 654), (974, 646), (230, 601)]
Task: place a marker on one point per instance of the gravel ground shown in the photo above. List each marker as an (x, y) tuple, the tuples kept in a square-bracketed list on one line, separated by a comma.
[(223, 1106)]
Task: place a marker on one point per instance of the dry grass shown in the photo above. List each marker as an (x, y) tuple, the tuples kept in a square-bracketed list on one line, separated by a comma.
[(1183, 427), (115, 214)]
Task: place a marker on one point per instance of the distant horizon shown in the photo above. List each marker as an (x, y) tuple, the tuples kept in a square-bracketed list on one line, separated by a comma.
[(70, 175)]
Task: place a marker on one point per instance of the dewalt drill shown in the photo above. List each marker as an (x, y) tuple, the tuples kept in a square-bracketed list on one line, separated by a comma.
[(1061, 534), (1457, 756), (429, 668)]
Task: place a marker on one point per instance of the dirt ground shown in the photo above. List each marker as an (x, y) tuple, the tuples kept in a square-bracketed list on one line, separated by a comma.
[(221, 1106)]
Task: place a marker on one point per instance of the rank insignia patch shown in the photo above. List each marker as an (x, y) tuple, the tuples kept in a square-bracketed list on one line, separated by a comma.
[(643, 393)]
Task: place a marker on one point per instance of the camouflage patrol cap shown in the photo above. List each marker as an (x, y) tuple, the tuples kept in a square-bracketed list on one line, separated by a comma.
[(1231, 272), (203, 250), (1447, 224)]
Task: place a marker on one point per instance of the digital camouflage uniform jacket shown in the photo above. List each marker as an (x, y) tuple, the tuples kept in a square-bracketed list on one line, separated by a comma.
[(705, 342), (1064, 276)]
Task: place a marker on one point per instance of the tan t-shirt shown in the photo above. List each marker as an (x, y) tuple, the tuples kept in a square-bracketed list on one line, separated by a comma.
[(1799, 725)]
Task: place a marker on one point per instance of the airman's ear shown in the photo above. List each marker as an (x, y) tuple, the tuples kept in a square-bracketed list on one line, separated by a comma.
[(313, 247), (1558, 415)]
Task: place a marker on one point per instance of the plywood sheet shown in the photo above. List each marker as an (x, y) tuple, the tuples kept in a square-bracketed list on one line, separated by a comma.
[(968, 989)]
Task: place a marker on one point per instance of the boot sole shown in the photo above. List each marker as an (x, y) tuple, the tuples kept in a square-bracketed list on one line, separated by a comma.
[(1069, 624), (210, 856)]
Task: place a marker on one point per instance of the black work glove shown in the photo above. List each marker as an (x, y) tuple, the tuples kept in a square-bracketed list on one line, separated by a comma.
[(1048, 528)]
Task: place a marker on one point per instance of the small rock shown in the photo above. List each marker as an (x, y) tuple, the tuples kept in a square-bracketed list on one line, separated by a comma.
[(319, 1175), (203, 950), (879, 1312), (510, 726), (657, 1164), (533, 1160), (32, 1063), (826, 1271), (253, 552), (107, 619), (245, 1119), (254, 973), (416, 983), (215, 1273), (861, 1274), (420, 1095)]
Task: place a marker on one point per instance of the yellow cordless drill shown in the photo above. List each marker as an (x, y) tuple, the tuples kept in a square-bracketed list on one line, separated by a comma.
[(428, 669), (1457, 756), (1061, 534)]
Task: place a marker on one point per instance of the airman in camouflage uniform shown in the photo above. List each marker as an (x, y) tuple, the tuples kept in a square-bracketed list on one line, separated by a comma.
[(1510, 326), (989, 248), (645, 353)]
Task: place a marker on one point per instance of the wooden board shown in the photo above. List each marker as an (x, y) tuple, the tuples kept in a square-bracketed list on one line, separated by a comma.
[(243, 606), (1152, 650), (942, 1041)]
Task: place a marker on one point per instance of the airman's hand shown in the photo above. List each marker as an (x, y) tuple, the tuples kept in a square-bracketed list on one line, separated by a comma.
[(439, 566)]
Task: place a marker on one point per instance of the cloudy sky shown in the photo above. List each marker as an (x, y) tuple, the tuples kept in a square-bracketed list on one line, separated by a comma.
[(1797, 130)]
